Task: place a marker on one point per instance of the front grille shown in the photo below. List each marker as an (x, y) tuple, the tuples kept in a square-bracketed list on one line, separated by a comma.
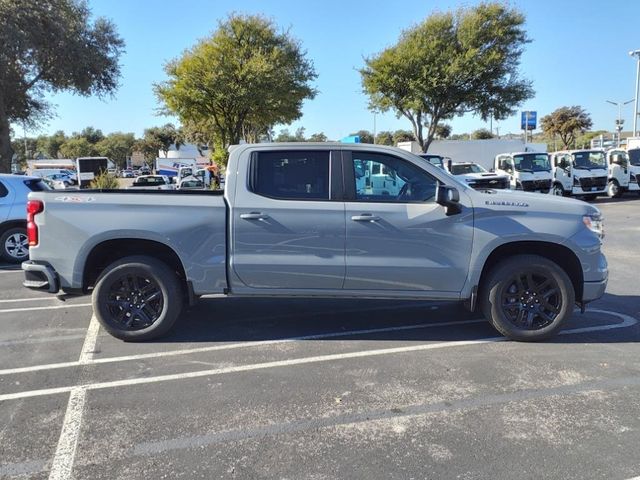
[(489, 183), (589, 182), (530, 185)]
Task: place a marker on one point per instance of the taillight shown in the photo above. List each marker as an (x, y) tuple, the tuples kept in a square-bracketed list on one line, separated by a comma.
[(33, 207)]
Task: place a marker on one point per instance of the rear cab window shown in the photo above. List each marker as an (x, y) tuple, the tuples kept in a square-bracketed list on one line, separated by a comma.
[(36, 185), (291, 175), (3, 190)]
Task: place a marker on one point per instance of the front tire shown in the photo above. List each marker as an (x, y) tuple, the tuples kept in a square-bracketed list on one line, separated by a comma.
[(527, 298), (137, 298), (14, 245), (558, 190), (614, 190)]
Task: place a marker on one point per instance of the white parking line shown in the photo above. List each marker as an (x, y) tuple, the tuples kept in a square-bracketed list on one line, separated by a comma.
[(51, 307), (34, 299), (89, 345), (233, 346), (62, 465), (627, 321)]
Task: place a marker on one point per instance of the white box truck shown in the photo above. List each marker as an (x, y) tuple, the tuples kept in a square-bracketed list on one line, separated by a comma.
[(580, 173)]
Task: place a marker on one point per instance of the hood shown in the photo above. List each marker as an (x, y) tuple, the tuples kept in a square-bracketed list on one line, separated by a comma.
[(480, 175), (594, 172), (517, 200)]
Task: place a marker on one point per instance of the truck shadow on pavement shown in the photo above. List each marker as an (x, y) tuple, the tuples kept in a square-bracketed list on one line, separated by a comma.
[(9, 267), (247, 320)]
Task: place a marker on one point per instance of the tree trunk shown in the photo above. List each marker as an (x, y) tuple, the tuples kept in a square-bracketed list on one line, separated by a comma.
[(6, 152)]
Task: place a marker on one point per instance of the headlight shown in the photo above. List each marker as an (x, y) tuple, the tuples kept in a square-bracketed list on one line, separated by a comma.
[(595, 223)]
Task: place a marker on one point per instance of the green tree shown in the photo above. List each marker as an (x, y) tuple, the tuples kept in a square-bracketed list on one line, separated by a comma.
[(286, 136), (482, 134), (403, 136), (384, 138), (240, 82), (365, 136), (566, 122), (318, 137), (451, 64), (117, 147), (93, 135), (51, 46), (50, 145), (443, 131), (161, 138), (78, 147)]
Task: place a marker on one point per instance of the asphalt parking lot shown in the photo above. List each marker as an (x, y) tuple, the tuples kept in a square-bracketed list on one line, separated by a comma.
[(324, 389)]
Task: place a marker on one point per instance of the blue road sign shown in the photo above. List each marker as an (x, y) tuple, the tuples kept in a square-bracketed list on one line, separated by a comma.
[(351, 139), (528, 120)]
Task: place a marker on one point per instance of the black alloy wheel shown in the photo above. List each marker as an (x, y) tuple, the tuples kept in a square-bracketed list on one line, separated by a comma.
[(135, 302), (531, 300)]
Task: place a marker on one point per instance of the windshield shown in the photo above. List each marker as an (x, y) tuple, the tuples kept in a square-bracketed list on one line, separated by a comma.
[(532, 162), (634, 157), (589, 160), (466, 168)]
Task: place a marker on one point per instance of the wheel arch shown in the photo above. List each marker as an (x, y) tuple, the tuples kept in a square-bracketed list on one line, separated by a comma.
[(4, 226), (562, 256), (105, 253)]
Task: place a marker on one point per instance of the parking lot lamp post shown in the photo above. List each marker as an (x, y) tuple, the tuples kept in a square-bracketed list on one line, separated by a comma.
[(636, 53), (619, 121)]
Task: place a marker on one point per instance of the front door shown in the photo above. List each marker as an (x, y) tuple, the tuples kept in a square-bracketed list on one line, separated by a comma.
[(398, 238), (288, 223)]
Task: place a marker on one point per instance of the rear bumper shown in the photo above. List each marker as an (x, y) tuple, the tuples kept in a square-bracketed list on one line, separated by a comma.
[(40, 276)]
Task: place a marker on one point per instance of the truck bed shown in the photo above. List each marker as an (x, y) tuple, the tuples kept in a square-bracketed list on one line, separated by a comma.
[(76, 224)]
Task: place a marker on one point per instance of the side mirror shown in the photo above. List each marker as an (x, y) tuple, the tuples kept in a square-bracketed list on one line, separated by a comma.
[(449, 198)]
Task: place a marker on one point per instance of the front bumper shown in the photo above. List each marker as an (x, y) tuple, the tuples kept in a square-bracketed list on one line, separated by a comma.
[(595, 191), (40, 276), (593, 290)]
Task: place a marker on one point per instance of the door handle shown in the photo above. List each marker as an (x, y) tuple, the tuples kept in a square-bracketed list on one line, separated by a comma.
[(365, 217), (254, 216)]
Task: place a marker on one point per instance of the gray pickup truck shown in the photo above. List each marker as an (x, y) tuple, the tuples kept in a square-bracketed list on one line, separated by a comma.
[(319, 220)]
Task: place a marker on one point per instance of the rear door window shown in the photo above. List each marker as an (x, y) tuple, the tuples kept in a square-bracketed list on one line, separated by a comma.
[(291, 175)]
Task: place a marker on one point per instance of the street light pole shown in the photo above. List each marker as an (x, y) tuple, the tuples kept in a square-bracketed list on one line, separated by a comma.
[(636, 53), (619, 121)]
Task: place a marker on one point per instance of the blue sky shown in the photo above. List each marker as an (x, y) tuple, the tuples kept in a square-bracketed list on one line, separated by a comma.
[(579, 56)]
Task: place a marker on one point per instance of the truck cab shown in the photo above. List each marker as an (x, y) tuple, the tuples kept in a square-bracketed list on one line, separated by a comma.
[(580, 173), (619, 173), (634, 169), (528, 171)]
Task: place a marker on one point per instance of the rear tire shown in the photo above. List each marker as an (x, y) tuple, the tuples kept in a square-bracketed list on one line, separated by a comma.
[(138, 298), (527, 298), (14, 245)]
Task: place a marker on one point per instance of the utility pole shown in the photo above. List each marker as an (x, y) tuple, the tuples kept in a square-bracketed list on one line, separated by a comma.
[(636, 53), (619, 121), (374, 128)]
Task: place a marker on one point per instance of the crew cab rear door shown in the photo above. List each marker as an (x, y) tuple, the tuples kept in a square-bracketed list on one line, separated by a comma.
[(6, 200), (398, 238), (288, 224)]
